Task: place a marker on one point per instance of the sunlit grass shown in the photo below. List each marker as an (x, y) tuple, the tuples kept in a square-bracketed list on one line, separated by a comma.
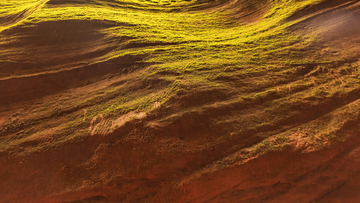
[(8, 7)]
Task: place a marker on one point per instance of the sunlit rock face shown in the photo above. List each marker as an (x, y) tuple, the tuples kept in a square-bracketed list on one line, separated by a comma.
[(179, 101)]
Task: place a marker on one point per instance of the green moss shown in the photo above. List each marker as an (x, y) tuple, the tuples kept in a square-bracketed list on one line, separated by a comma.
[(262, 63)]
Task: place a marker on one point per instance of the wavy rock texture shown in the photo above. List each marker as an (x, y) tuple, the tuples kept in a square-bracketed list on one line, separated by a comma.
[(179, 101)]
